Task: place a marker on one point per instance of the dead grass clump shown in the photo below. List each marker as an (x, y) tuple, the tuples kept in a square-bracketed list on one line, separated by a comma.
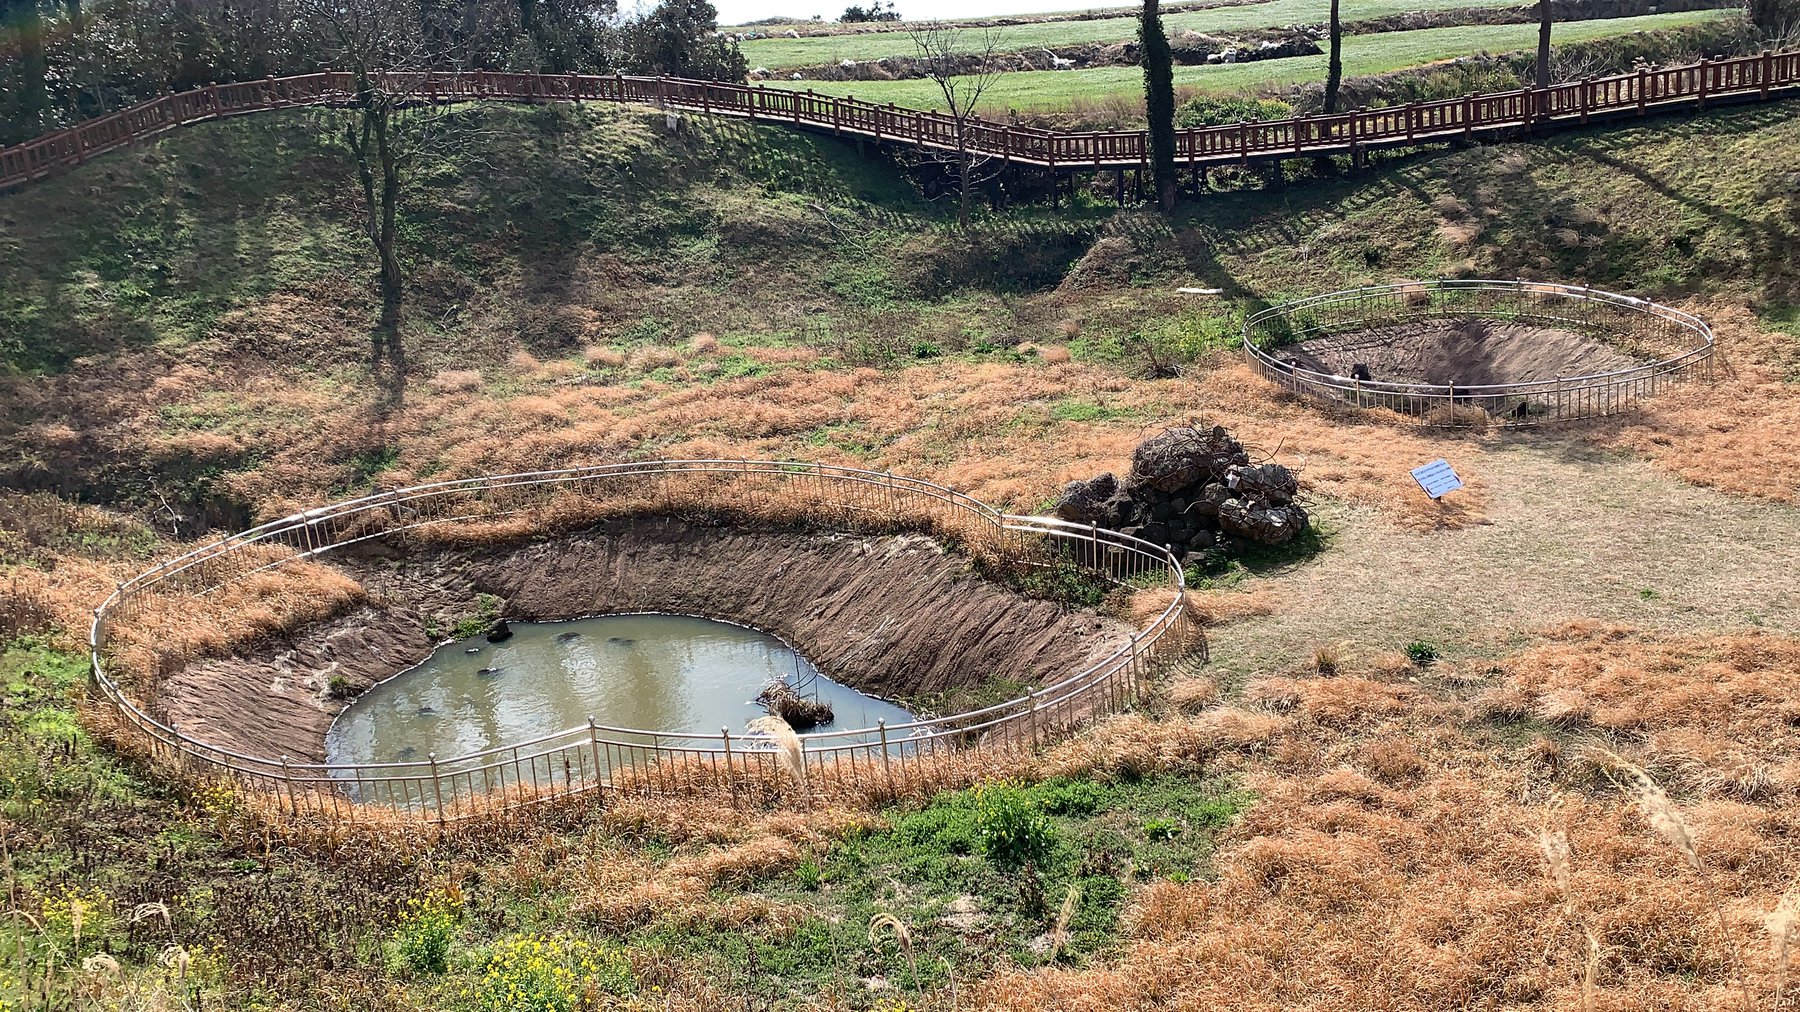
[(1194, 694), (450, 381), (704, 344), (599, 356), (1054, 355), (1222, 607)]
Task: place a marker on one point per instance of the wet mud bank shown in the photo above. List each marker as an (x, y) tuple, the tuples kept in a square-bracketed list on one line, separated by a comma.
[(889, 616)]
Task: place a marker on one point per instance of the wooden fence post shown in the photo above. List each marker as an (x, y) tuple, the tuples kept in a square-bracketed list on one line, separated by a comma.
[(1702, 71), (1643, 78), (1763, 73)]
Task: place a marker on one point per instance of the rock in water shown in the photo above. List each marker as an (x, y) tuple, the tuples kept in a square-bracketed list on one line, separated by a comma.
[(780, 699), (500, 633)]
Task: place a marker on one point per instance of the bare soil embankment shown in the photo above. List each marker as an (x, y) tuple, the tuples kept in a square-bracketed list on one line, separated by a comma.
[(891, 616), (1469, 352)]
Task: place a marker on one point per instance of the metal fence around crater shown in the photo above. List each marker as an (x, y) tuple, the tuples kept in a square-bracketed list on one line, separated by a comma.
[(593, 757), (1680, 345)]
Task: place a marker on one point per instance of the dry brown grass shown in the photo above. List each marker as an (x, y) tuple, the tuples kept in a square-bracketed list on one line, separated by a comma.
[(1395, 860), (1739, 433)]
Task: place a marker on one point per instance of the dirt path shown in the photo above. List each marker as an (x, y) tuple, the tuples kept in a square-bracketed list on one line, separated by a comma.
[(1574, 534)]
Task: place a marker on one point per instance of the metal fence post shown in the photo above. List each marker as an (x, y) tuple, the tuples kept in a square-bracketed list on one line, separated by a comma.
[(437, 787), (725, 736)]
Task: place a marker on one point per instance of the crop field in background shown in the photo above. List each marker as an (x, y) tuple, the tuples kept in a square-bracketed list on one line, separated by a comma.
[(780, 53), (1363, 55)]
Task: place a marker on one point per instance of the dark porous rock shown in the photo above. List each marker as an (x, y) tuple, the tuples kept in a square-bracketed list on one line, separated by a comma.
[(1155, 533), (1202, 539), (1181, 457), (1086, 502), (1161, 510), (1207, 503), (1267, 525), (1125, 510), (500, 633), (1270, 484)]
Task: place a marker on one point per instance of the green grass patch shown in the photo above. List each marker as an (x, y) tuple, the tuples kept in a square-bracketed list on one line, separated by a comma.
[(978, 879), (783, 53), (1363, 55)]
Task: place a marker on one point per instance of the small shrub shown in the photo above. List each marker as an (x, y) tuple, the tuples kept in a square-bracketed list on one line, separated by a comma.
[(1158, 830), (338, 687), (1011, 827), (1421, 653), (808, 874), (926, 349), (421, 941), (548, 975), (1325, 660)]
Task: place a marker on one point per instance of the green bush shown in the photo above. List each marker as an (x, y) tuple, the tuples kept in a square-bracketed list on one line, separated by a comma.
[(421, 941), (1011, 827), (1421, 653)]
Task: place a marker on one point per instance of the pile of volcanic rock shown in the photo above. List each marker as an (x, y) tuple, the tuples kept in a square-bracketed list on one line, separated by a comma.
[(1195, 490)]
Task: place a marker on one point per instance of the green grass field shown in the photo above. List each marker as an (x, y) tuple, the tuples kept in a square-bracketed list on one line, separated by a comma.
[(1363, 55), (781, 53)]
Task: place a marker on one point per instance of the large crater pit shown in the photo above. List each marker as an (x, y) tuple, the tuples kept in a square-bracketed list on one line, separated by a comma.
[(1461, 352), (894, 617)]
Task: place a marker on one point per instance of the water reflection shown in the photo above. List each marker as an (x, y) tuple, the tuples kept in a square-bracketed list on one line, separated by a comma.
[(652, 672)]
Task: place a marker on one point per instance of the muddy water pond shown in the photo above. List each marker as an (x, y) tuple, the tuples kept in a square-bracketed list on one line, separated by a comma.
[(651, 672)]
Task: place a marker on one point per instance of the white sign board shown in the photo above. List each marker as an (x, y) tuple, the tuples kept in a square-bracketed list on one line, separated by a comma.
[(1437, 478)]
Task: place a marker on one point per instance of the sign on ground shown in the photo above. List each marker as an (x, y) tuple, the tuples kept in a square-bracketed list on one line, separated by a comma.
[(1437, 478)]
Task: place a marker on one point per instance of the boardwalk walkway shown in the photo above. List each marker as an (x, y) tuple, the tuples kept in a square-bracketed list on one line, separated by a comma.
[(1695, 86)]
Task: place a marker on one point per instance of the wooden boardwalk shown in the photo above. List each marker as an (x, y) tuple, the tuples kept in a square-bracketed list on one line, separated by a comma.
[(1695, 86)]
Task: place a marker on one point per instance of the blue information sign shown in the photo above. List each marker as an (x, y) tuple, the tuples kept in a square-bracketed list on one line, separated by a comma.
[(1437, 478)]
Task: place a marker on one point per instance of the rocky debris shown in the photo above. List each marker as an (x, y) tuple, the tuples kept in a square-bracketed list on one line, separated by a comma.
[(780, 699), (1194, 490)]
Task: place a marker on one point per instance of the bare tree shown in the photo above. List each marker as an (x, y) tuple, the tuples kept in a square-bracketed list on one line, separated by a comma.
[(963, 65), (386, 131)]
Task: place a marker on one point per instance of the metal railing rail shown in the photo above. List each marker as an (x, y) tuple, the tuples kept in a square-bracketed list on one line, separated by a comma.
[(1605, 314), (595, 757), (1748, 78)]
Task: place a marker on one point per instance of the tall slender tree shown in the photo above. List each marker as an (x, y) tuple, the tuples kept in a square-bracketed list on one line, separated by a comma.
[(1159, 100), (22, 24), (1334, 67), (1543, 56)]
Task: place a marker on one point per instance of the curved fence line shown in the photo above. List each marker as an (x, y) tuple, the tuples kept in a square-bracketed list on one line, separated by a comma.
[(1749, 78), (594, 757), (1617, 318)]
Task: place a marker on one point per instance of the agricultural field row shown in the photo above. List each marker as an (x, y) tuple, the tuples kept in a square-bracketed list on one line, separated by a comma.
[(1363, 55)]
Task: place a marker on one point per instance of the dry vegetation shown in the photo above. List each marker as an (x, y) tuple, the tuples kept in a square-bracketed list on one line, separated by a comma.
[(1453, 805)]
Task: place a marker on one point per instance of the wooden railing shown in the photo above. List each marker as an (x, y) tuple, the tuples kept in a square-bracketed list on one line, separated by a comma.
[(1763, 76)]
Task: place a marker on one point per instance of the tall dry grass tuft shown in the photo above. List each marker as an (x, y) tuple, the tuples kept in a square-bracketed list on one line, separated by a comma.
[(1784, 922), (787, 743), (1671, 826)]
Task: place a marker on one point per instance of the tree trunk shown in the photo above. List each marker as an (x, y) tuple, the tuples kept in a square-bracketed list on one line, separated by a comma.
[(1159, 102), (34, 96), (1543, 57), (965, 168), (1334, 69)]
